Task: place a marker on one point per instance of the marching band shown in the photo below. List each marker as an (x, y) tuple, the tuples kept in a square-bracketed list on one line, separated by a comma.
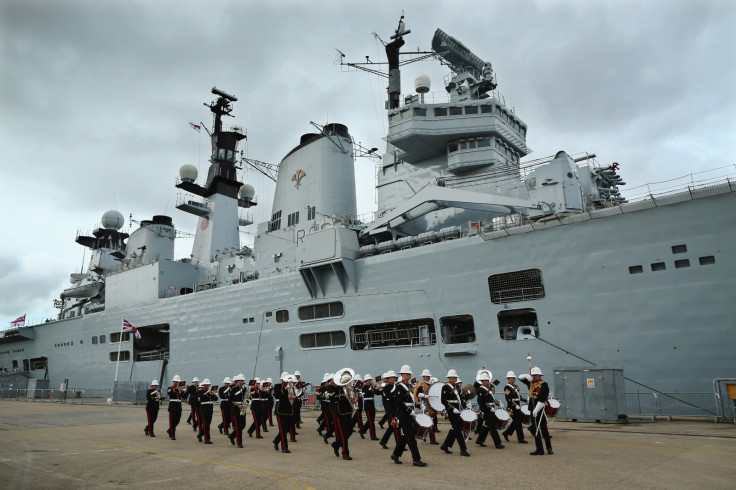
[(411, 409)]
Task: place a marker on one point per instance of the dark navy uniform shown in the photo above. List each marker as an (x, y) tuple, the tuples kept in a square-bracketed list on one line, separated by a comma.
[(284, 414), (175, 396), (486, 403), (369, 407), (207, 400), (152, 397), (538, 393), (404, 409), (192, 400), (256, 409), (224, 393), (390, 407), (237, 413), (452, 401), (343, 425), (513, 403)]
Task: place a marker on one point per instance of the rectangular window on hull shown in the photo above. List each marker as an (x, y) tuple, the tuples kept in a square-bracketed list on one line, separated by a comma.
[(322, 310), (516, 286), (153, 344), (124, 356), (115, 337), (311, 212), (406, 333), (518, 324), (458, 329), (282, 316), (335, 338), (38, 363), (275, 223), (102, 339)]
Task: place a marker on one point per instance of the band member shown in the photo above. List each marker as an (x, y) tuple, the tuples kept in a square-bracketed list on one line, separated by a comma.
[(299, 386), (323, 394), (176, 394), (369, 407), (487, 404), (224, 393), (390, 407), (207, 398), (358, 417), (237, 409), (256, 409), (538, 394), (451, 399), (343, 415), (421, 390), (269, 387), (153, 395), (513, 403), (404, 413), (285, 399), (331, 397), (192, 400)]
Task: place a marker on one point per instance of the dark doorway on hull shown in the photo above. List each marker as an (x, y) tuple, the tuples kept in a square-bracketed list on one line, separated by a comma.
[(518, 324), (153, 344)]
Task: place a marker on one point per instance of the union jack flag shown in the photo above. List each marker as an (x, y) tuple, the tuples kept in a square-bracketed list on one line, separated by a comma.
[(129, 328), (20, 321)]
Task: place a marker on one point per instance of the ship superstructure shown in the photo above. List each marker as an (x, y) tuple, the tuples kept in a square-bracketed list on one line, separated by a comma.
[(473, 259)]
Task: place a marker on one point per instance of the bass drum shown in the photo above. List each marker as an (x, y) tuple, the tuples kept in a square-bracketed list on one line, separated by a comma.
[(526, 415), (422, 426), (434, 397), (551, 409), (502, 418)]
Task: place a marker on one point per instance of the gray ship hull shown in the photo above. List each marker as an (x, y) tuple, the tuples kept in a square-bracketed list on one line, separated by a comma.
[(669, 327)]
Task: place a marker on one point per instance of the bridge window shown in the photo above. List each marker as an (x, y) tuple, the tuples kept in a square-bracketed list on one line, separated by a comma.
[(311, 212), (486, 109), (518, 324), (275, 223), (293, 219), (440, 111), (471, 109), (515, 286), (458, 329), (420, 111), (406, 333), (456, 111), (322, 310), (335, 338)]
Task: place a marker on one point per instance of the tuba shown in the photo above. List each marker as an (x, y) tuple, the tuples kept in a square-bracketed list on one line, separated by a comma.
[(344, 378)]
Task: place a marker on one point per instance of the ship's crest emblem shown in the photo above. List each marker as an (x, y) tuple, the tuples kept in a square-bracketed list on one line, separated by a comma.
[(298, 176)]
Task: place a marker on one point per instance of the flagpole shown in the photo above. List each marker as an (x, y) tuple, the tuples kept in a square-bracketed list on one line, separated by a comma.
[(117, 361)]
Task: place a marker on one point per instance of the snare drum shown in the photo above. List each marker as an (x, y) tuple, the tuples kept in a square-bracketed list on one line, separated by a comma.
[(422, 425), (502, 418), (468, 419), (526, 415), (551, 409)]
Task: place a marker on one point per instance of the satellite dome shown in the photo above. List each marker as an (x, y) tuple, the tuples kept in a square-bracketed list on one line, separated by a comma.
[(112, 220), (421, 84), (188, 173), (246, 191)]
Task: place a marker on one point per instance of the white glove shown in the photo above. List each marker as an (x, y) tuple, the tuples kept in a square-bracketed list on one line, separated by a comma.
[(468, 406), (413, 413), (525, 377), (538, 408), (422, 395), (455, 410)]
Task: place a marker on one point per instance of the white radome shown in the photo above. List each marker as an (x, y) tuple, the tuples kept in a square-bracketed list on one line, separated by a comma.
[(112, 220), (246, 191), (188, 173), (422, 84)]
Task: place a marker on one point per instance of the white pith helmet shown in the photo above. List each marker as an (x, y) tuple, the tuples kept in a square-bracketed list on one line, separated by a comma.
[(405, 369), (269, 380), (195, 380), (154, 382), (297, 373), (368, 377), (283, 376), (483, 377), (206, 382), (176, 378), (511, 374), (226, 380), (357, 378), (391, 374), (426, 372), (451, 374), (536, 370)]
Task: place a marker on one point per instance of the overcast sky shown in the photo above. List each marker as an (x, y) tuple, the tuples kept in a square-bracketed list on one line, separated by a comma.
[(96, 96)]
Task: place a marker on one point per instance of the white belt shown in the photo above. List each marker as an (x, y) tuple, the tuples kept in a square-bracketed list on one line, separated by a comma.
[(207, 403), (408, 404), (175, 401), (368, 398)]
